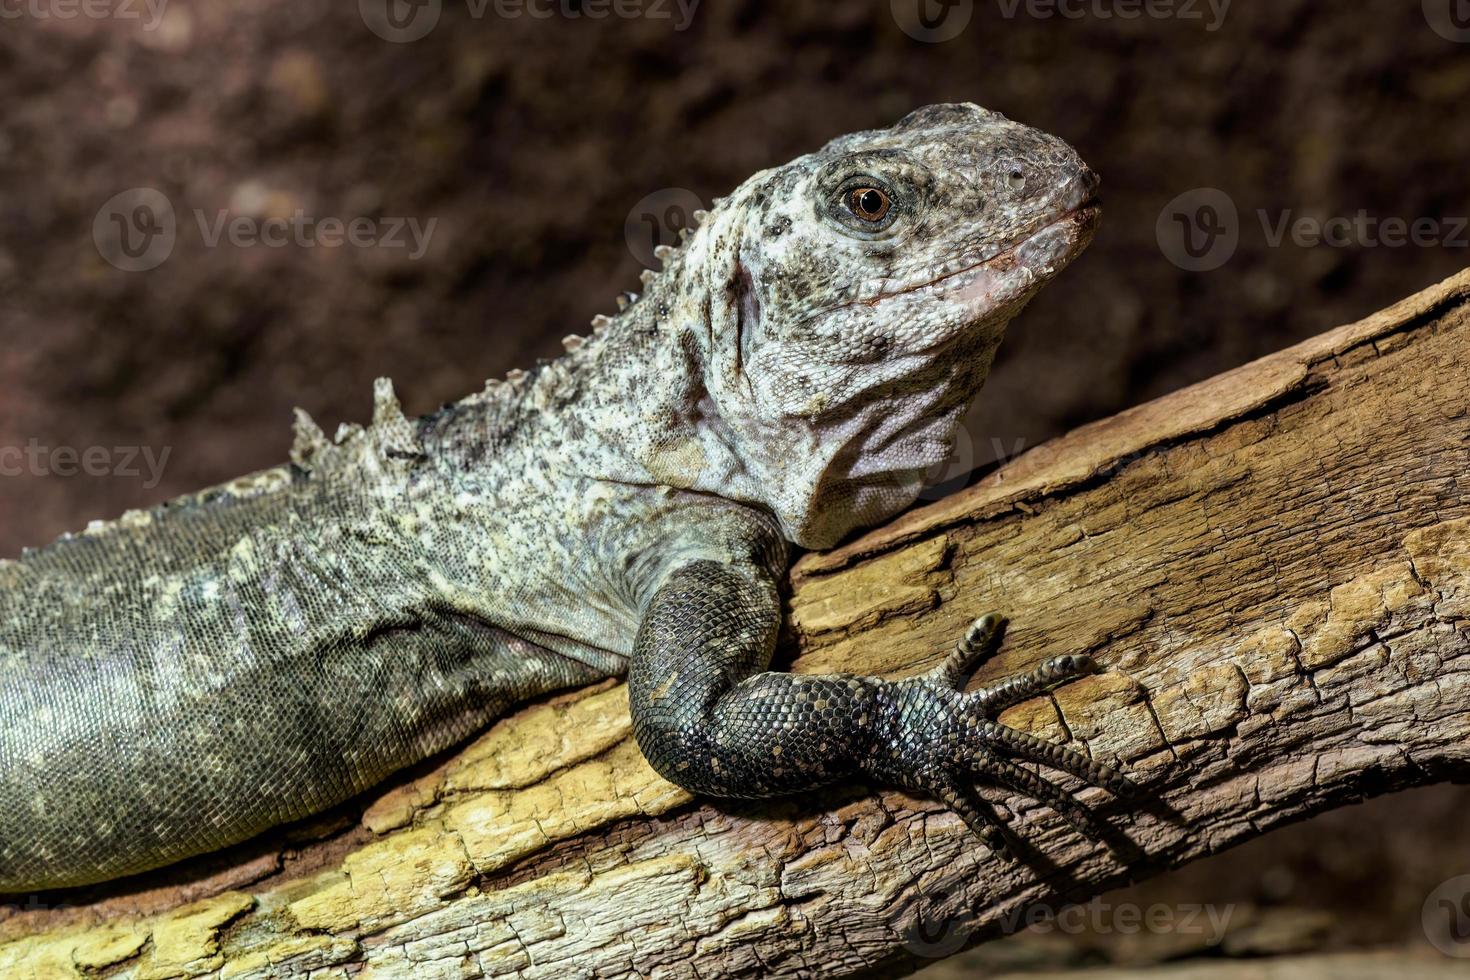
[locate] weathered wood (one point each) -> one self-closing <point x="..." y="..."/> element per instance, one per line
<point x="1274" y="566"/>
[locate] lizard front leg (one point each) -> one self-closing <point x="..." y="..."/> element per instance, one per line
<point x="711" y="718"/>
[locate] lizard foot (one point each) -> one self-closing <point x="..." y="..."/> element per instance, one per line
<point x="937" y="740"/>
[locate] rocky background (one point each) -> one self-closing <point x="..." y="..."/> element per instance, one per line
<point x="508" y="173"/>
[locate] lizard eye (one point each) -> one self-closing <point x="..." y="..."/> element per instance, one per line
<point x="863" y="205"/>
<point x="868" y="203"/>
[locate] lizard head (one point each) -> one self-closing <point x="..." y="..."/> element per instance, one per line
<point x="855" y="298"/>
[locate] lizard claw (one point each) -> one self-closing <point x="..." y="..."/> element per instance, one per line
<point x="980" y="641"/>
<point x="939" y="738"/>
<point x="977" y="814"/>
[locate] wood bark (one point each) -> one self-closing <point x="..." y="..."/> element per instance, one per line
<point x="1273" y="567"/>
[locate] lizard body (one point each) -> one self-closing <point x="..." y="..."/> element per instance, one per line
<point x="182" y="679"/>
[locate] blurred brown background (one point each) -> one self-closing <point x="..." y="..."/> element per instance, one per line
<point x="531" y="152"/>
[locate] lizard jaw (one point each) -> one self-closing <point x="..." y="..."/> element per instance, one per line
<point x="1045" y="251"/>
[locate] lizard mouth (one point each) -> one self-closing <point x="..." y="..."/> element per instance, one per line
<point x="1065" y="235"/>
<point x="1073" y="229"/>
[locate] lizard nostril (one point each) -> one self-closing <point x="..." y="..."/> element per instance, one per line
<point x="1091" y="181"/>
<point x="1016" y="181"/>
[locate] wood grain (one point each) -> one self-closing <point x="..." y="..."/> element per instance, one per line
<point x="1273" y="566"/>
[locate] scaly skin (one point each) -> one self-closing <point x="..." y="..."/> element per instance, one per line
<point x="179" y="680"/>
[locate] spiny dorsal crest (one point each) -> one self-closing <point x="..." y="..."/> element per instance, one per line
<point x="310" y="439"/>
<point x="664" y="253"/>
<point x="390" y="444"/>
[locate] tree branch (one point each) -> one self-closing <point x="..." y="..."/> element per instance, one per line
<point x="1273" y="566"/>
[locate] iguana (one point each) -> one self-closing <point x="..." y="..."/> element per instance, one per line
<point x="184" y="678"/>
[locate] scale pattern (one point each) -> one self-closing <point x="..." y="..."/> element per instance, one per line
<point x="179" y="680"/>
